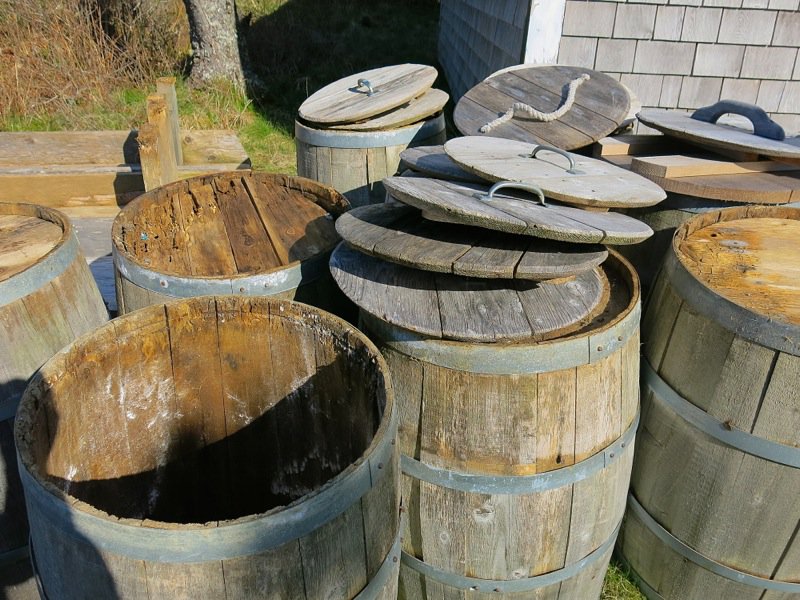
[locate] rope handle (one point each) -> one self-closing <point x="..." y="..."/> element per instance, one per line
<point x="528" y="187"/>
<point x="537" y="114"/>
<point x="572" y="170"/>
<point x="365" y="83"/>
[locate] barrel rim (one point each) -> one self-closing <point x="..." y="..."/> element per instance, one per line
<point x="27" y="411"/>
<point x="746" y="322"/>
<point x="336" y="138"/>
<point x="590" y="345"/>
<point x="174" y="186"/>
<point x="57" y="255"/>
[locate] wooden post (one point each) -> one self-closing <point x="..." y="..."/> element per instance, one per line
<point x="148" y="156"/>
<point x="166" y="87"/>
<point x="157" y="116"/>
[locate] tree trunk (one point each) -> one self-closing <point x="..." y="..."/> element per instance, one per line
<point x="215" y="48"/>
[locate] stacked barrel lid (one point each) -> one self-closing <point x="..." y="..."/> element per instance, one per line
<point x="378" y="99"/>
<point x="452" y="256"/>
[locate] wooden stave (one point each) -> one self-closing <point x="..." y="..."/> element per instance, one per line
<point x="381" y="149"/>
<point x="373" y="475"/>
<point x="395" y="342"/>
<point x="309" y="281"/>
<point x="50" y="285"/>
<point x="724" y="442"/>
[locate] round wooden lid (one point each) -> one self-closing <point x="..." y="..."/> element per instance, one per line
<point x="416" y="109"/>
<point x="468" y="204"/>
<point x="600" y="106"/>
<point x="564" y="176"/>
<point x="759" y="182"/>
<point x="367" y="94"/>
<point x="448" y="306"/>
<point x="433" y="161"/>
<point x="748" y="255"/>
<point x="229" y="224"/>
<point x="28" y="233"/>
<point x="399" y="234"/>
<point x="683" y="126"/>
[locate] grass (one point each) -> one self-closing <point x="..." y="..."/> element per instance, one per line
<point x="294" y="48"/>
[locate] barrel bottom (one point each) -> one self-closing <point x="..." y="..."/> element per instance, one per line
<point x="663" y="574"/>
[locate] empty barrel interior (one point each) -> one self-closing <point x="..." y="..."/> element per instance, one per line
<point x="203" y="410"/>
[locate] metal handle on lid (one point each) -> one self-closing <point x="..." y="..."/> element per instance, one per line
<point x="763" y="126"/>
<point x="566" y="155"/>
<point x="365" y="83"/>
<point x="528" y="187"/>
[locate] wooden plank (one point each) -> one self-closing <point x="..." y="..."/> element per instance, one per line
<point x="165" y="86"/>
<point x="210" y="251"/>
<point x="24" y="241"/>
<point x="678" y="165"/>
<point x="433" y="161"/>
<point x="209" y="146"/>
<point x="247" y="236"/>
<point x="273" y="575"/>
<point x="29" y="148"/>
<point x="631" y="145"/>
<point x="344" y="101"/>
<point x="149" y="156"/>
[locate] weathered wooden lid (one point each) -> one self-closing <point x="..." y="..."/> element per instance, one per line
<point x="468" y="204"/>
<point x="570" y="178"/>
<point x="399" y="234"/>
<point x="750" y="256"/>
<point x="416" y="109"/>
<point x="757" y="182"/>
<point x="28" y="233"/>
<point x="433" y="161"/>
<point x="448" y="306"/>
<point x="600" y="106"/>
<point x="682" y="125"/>
<point x="228" y="225"/>
<point x="367" y="94"/>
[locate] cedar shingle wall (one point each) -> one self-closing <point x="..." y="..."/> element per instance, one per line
<point x="690" y="53"/>
<point x="478" y="37"/>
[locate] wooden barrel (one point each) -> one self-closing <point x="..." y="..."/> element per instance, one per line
<point x="713" y="512"/>
<point x="355" y="162"/>
<point x="47" y="298"/>
<point x="215" y="447"/>
<point x="253" y="234"/>
<point x="516" y="457"/>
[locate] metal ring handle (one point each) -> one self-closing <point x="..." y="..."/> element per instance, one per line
<point x="563" y="153"/>
<point x="365" y="83"/>
<point x="529" y="187"/>
<point x="763" y="126"/>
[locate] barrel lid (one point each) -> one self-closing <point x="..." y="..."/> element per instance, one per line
<point x="399" y="234"/>
<point x="468" y="204"/>
<point x="367" y="94"/>
<point x="600" y="106"/>
<point x="715" y="178"/>
<point x="416" y="109"/>
<point x="227" y="225"/>
<point x="28" y="233"/>
<point x="433" y="161"/>
<point x="564" y="176"/>
<point x="682" y="125"/>
<point x="446" y="306"/>
<point x="749" y="256"/>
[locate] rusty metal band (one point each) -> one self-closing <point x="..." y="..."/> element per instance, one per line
<point x="377" y="584"/>
<point x="39" y="274"/>
<point x="268" y="284"/>
<point x="335" y="138"/>
<point x="195" y="544"/>
<point x="522" y="484"/>
<point x="506" y="359"/>
<point x="702" y="561"/>
<point x="509" y="586"/>
<point x="758" y="328"/>
<point x="701" y="420"/>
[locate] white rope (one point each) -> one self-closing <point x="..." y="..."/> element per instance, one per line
<point x="536" y="114"/>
